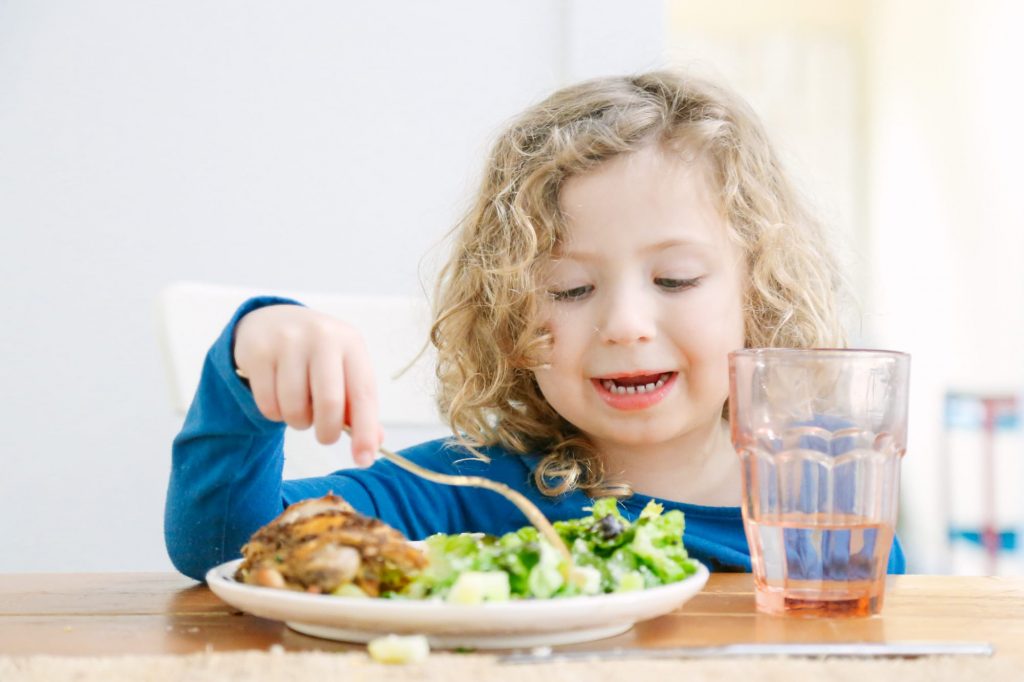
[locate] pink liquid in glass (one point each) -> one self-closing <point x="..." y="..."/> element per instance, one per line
<point x="819" y="564"/>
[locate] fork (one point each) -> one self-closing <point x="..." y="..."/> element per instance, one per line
<point x="529" y="509"/>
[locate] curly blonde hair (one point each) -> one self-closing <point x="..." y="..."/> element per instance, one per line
<point x="486" y="322"/>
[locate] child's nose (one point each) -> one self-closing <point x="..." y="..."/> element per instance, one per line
<point x="627" y="319"/>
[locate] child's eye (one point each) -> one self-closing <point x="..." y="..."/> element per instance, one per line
<point x="676" y="284"/>
<point x="571" y="294"/>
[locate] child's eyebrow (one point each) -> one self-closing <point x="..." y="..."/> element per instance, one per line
<point x="650" y="248"/>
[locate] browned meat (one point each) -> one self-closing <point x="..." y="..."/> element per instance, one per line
<point x="320" y="545"/>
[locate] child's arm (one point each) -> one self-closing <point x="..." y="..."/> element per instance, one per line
<point x="228" y="458"/>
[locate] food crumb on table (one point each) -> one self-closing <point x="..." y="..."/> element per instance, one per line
<point x="399" y="649"/>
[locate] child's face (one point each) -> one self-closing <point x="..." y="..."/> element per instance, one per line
<point x="646" y="289"/>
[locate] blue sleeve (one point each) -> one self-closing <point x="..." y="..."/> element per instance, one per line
<point x="226" y="464"/>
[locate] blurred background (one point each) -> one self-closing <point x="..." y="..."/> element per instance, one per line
<point x="328" y="147"/>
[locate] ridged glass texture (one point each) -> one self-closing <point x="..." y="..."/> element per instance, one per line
<point x="820" y="435"/>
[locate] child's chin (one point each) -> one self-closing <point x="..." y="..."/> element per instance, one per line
<point x="641" y="438"/>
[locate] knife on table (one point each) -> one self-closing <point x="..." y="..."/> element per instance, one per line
<point x="823" y="650"/>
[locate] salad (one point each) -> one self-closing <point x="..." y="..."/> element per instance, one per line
<point x="323" y="546"/>
<point x="610" y="554"/>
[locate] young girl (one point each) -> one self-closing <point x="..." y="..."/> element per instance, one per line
<point x="629" y="232"/>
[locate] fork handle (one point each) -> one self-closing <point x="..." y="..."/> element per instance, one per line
<point x="530" y="510"/>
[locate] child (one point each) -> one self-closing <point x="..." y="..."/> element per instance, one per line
<point x="629" y="232"/>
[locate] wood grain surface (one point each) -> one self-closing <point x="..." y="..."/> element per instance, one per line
<point x="147" y="613"/>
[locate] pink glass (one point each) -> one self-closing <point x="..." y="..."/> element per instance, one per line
<point x="820" y="435"/>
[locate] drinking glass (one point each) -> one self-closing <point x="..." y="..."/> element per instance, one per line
<point x="820" y="435"/>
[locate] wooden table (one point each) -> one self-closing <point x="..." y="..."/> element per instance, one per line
<point x="156" y="613"/>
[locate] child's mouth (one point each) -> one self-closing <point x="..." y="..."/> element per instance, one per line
<point x="636" y="391"/>
<point x="637" y="384"/>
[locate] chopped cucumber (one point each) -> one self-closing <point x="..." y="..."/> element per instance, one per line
<point x="476" y="587"/>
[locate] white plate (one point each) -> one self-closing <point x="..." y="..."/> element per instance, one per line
<point x="504" y="625"/>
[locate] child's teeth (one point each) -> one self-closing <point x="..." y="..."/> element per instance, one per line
<point x="613" y="387"/>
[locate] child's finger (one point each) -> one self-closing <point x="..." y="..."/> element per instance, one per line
<point x="264" y="391"/>
<point x="361" y="396"/>
<point x="293" y="390"/>
<point x="326" y="383"/>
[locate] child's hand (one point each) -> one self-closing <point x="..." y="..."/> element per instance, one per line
<point x="306" y="368"/>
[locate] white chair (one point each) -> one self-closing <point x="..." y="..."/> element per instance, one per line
<point x="192" y="315"/>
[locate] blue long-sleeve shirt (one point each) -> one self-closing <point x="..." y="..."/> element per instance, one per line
<point x="226" y="482"/>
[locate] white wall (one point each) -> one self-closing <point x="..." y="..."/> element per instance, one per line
<point x="946" y="225"/>
<point x="303" y="146"/>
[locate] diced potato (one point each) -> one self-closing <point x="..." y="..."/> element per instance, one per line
<point x="399" y="649"/>
<point x="476" y="587"/>
<point x="585" y="578"/>
<point x="631" y="581"/>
